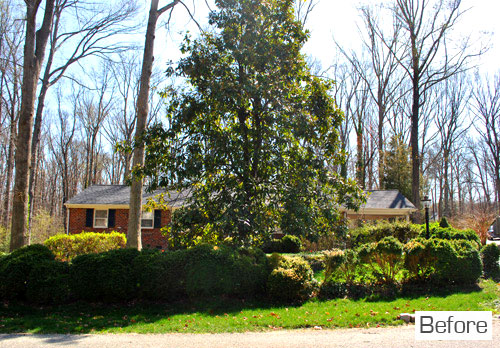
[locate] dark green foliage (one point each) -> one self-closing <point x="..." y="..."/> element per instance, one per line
<point x="332" y="289"/>
<point x="490" y="254"/>
<point x="254" y="135"/>
<point x="16" y="267"/>
<point x="160" y="276"/>
<point x="401" y="230"/>
<point x="106" y="277"/>
<point x="291" y="244"/>
<point x="216" y="271"/>
<point x="287" y="244"/>
<point x="291" y="279"/>
<point x="397" y="166"/>
<point x="383" y="257"/>
<point x="443" y="223"/>
<point x="48" y="283"/>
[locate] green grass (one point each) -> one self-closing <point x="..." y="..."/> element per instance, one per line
<point x="234" y="316"/>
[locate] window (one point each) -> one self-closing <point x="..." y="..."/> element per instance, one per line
<point x="147" y="218"/>
<point x="101" y="218"/>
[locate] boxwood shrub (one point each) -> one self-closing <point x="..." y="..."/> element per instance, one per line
<point x="106" y="277"/>
<point x="16" y="267"/>
<point x="401" y="230"/>
<point x="490" y="254"/>
<point x="291" y="279"/>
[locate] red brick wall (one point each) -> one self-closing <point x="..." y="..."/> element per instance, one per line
<point x="151" y="237"/>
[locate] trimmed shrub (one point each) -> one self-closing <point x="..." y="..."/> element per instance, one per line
<point x="401" y="230"/>
<point x="287" y="244"/>
<point x="48" y="283"/>
<point x="331" y="289"/>
<point x="160" y="276"/>
<point x="490" y="254"/>
<point x="106" y="277"/>
<point x="290" y="244"/>
<point x="443" y="261"/>
<point x="383" y="257"/>
<point x="418" y="260"/>
<point x="16" y="267"/>
<point x="450" y="233"/>
<point x="66" y="247"/>
<point x="291" y="280"/>
<point x="215" y="271"/>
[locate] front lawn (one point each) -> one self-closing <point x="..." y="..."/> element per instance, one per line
<point x="235" y="316"/>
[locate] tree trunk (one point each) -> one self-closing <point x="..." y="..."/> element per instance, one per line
<point x="415" y="154"/>
<point x="34" y="51"/>
<point x="134" y="218"/>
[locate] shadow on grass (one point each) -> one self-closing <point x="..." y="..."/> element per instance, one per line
<point x="83" y="318"/>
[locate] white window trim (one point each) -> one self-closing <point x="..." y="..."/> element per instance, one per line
<point x="107" y="218"/>
<point x="152" y="220"/>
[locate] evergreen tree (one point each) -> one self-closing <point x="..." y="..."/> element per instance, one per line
<point x="254" y="135"/>
<point x="397" y="170"/>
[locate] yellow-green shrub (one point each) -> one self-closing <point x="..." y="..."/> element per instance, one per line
<point x="66" y="247"/>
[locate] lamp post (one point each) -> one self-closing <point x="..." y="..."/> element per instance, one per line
<point x="427" y="203"/>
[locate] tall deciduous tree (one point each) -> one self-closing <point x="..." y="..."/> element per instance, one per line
<point x="254" y="133"/>
<point x="134" y="220"/>
<point x="34" y="53"/>
<point x="429" y="61"/>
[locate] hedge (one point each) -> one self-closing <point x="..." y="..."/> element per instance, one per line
<point x="66" y="247"/>
<point x="401" y="230"/>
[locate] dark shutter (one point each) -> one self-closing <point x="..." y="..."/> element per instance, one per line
<point x="157" y="222"/>
<point x="89" y="220"/>
<point x="111" y="217"/>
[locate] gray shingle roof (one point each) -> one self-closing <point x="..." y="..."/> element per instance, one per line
<point x="387" y="199"/>
<point x="120" y="195"/>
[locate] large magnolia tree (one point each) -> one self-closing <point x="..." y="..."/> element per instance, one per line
<point x="254" y="134"/>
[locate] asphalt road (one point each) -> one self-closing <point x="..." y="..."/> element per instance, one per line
<point x="396" y="337"/>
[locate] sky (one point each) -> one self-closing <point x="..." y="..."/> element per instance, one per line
<point x="339" y="20"/>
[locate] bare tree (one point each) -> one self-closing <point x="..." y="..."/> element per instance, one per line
<point x="450" y="122"/>
<point x="93" y="27"/>
<point x="34" y="54"/>
<point x="429" y="61"/>
<point x="487" y="109"/>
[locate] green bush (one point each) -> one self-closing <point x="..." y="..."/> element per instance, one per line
<point x="290" y="280"/>
<point x="290" y="244"/>
<point x="287" y="244"/>
<point x="16" y="267"/>
<point x="401" y="230"/>
<point x="160" y="276"/>
<point x="384" y="258"/>
<point x="443" y="261"/>
<point x="490" y="254"/>
<point x="333" y="260"/>
<point x="48" y="283"/>
<point x="106" y="277"/>
<point x="66" y="247"/>
<point x="215" y="271"/>
<point x="450" y="233"/>
<point x="418" y="260"/>
<point x="332" y="289"/>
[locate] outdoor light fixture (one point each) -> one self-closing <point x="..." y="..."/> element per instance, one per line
<point x="426" y="202"/>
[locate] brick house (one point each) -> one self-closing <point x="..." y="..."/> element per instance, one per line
<point x="104" y="208"/>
